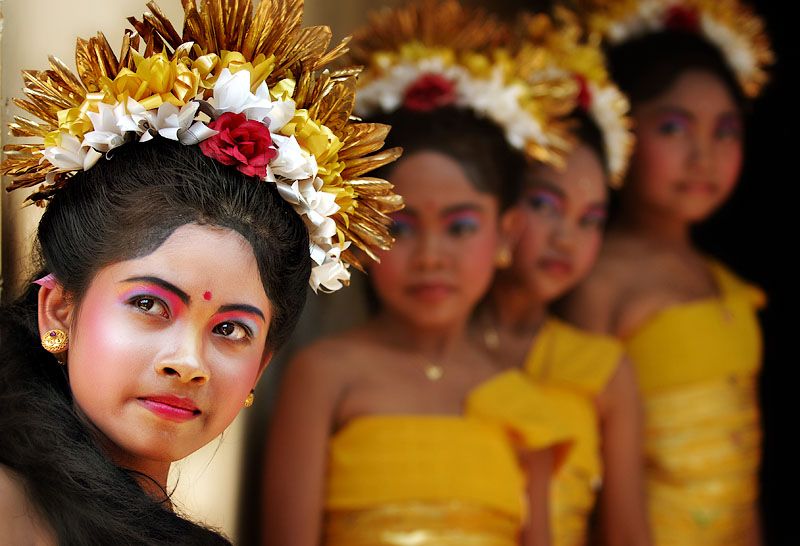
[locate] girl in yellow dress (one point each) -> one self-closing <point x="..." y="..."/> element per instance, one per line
<point x="558" y="225"/>
<point x="688" y="323"/>
<point x="402" y="431"/>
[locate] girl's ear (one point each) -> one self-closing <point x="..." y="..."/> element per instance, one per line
<point x="55" y="308"/>
<point x="511" y="227"/>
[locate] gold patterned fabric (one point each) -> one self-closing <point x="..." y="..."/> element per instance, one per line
<point x="697" y="365"/>
<point x="422" y="524"/>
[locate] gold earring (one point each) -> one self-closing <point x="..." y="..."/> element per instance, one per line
<point x="250" y="399"/>
<point x="55" y="341"/>
<point x="503" y="258"/>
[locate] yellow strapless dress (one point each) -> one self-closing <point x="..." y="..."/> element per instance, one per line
<point x="697" y="365"/>
<point x="580" y="364"/>
<point x="427" y="480"/>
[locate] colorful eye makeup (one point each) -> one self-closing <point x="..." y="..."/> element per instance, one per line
<point x="153" y="300"/>
<point x="402" y="225"/>
<point x="543" y="200"/>
<point x="462" y="223"/>
<point x="729" y="126"/>
<point x="595" y="217"/>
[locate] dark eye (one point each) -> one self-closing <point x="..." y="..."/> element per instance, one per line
<point x="543" y="202"/>
<point x="400" y="229"/>
<point x="593" y="221"/>
<point x="463" y="226"/>
<point x="231" y="330"/>
<point x="729" y="130"/>
<point x="672" y="126"/>
<point x="150" y="306"/>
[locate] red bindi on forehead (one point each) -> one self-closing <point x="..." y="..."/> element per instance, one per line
<point x="207" y="295"/>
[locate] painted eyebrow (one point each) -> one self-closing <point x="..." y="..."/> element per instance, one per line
<point x="462" y="207"/>
<point x="183" y="296"/>
<point x="242" y="307"/>
<point x="538" y="183"/>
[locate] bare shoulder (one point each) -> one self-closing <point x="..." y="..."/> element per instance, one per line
<point x="19" y="523"/>
<point x="335" y="355"/>
<point x="594" y="303"/>
<point x="330" y="364"/>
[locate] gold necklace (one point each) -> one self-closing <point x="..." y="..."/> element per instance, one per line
<point x="434" y="372"/>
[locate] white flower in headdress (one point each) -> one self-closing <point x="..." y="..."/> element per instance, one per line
<point x="314" y="205"/>
<point x="71" y="154"/>
<point x="176" y="124"/>
<point x="329" y="273"/>
<point x="232" y="94"/>
<point x="292" y="162"/>
<point x="109" y="126"/>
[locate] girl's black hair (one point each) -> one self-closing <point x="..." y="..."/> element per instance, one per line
<point x="477" y="144"/>
<point x="648" y="66"/>
<point x="122" y="208"/>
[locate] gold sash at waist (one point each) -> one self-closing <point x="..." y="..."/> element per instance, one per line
<point x="703" y="446"/>
<point x="421" y="524"/>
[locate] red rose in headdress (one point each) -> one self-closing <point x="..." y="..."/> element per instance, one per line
<point x="584" y="95"/>
<point x="429" y="92"/>
<point x="682" y="18"/>
<point x="244" y="143"/>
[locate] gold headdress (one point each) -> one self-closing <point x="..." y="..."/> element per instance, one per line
<point x="235" y="73"/>
<point x="435" y="53"/>
<point x="730" y="25"/>
<point x="571" y="51"/>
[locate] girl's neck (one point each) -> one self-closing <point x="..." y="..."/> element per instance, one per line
<point x="434" y="343"/>
<point x="655" y="226"/>
<point x="514" y="307"/>
<point x="151" y="475"/>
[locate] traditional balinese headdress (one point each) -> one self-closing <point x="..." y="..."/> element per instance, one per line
<point x="730" y="25"/>
<point x="435" y="53"/>
<point x="243" y="83"/>
<point x="571" y="51"/>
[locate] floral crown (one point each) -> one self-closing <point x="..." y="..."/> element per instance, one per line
<point x="731" y="26"/>
<point x="243" y="83"/>
<point x="436" y="53"/>
<point x="571" y="51"/>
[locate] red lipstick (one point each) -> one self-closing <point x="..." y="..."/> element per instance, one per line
<point x="555" y="266"/>
<point x="171" y="407"/>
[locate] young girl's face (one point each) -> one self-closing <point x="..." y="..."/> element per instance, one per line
<point x="165" y="348"/>
<point x="689" y="149"/>
<point x="446" y="240"/>
<point x="561" y="217"/>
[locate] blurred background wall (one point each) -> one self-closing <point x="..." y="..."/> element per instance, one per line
<point x="219" y="485"/>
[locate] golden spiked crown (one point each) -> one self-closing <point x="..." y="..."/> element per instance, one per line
<point x="249" y="86"/>
<point x="570" y="50"/>
<point x="434" y="53"/>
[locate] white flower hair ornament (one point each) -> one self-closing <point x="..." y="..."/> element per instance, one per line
<point x="730" y="25"/>
<point x="252" y="97"/>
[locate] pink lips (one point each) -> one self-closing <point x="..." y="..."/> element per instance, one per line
<point x="170" y="407"/>
<point x="431" y="292"/>
<point x="555" y="266"/>
<point x="698" y="188"/>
